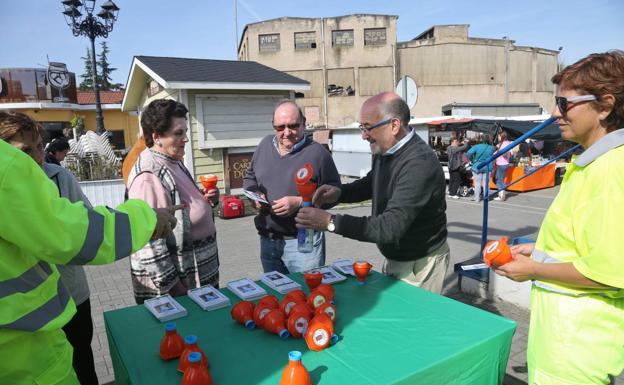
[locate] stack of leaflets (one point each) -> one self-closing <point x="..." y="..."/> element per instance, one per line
<point x="330" y="275"/>
<point x="209" y="298"/>
<point x="165" y="308"/>
<point x="246" y="289"/>
<point x="345" y="266"/>
<point x="279" y="282"/>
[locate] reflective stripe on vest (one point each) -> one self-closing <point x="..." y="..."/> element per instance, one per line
<point x="540" y="256"/>
<point x="45" y="313"/>
<point x="29" y="280"/>
<point x="123" y="235"/>
<point x="93" y="240"/>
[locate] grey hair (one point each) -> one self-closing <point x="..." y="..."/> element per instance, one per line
<point x="302" y="117"/>
<point x="396" y="108"/>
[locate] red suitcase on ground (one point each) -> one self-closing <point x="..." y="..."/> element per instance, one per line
<point x="230" y="206"/>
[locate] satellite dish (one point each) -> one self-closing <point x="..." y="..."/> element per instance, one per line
<point x="407" y="90"/>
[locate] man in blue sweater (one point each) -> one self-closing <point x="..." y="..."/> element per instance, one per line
<point x="407" y="188"/>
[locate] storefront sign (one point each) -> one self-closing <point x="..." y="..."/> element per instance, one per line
<point x="238" y="165"/>
<point x="58" y="75"/>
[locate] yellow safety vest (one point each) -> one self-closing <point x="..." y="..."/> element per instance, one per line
<point x="38" y="230"/>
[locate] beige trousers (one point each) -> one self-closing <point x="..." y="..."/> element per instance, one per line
<point x="427" y="272"/>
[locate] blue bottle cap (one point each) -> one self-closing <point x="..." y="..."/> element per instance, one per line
<point x="190" y="339"/>
<point x="295" y="355"/>
<point x="283" y="334"/>
<point x="334" y="339"/>
<point x="250" y="324"/>
<point x="170" y="326"/>
<point x="194" y="357"/>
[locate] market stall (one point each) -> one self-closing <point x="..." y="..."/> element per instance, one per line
<point x="391" y="333"/>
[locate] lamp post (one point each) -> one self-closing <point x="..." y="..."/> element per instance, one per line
<point x="85" y="24"/>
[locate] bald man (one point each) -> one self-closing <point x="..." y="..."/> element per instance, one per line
<point x="271" y="174"/>
<point x="407" y="188"/>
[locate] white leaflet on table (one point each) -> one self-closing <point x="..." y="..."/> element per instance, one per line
<point x="279" y="282"/>
<point x="255" y="196"/>
<point x="330" y="275"/>
<point x="165" y="308"/>
<point x="246" y="289"/>
<point x="344" y="266"/>
<point x="209" y="298"/>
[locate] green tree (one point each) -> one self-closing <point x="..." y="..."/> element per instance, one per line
<point x="87" y="76"/>
<point x="104" y="77"/>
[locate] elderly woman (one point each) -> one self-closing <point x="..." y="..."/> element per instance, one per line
<point x="188" y="258"/>
<point x="576" y="335"/>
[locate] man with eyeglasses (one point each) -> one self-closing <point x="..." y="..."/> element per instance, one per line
<point x="271" y="174"/>
<point x="407" y="188"/>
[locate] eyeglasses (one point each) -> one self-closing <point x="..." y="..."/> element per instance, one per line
<point x="291" y="126"/>
<point x="565" y="104"/>
<point x="364" y="128"/>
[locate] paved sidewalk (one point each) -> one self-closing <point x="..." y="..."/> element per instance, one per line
<point x="238" y="249"/>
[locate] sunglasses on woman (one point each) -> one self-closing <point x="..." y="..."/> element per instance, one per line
<point x="564" y="104"/>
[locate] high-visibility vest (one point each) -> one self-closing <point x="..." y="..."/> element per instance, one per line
<point x="585" y="223"/>
<point x="38" y="229"/>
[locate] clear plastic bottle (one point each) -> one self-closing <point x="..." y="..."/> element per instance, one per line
<point x="305" y="237"/>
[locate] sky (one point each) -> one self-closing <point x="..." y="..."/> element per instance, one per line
<point x="32" y="29"/>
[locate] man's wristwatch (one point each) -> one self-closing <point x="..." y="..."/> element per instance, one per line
<point x="331" y="227"/>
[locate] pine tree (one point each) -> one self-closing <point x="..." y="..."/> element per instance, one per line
<point x="104" y="77"/>
<point x="87" y="76"/>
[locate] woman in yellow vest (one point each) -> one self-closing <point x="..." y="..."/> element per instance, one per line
<point x="38" y="230"/>
<point x="576" y="334"/>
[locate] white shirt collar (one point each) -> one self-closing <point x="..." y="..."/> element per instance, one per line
<point x="400" y="143"/>
<point x="608" y="142"/>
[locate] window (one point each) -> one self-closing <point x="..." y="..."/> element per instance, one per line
<point x="305" y="40"/>
<point x="153" y="88"/>
<point x="269" y="43"/>
<point x="374" y="36"/>
<point x="342" y="38"/>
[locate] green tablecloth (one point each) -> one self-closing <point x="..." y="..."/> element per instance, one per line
<point x="392" y="333"/>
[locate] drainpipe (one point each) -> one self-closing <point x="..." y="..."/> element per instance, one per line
<point x="324" y="73"/>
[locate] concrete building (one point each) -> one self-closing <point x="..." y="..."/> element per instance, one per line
<point x="361" y="52"/>
<point x="448" y="67"/>
<point x="345" y="59"/>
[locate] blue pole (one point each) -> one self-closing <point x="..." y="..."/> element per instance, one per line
<point x="486" y="201"/>
<point x="513" y="144"/>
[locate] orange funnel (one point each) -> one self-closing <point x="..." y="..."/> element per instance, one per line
<point x="295" y="373"/>
<point x="196" y="373"/>
<point x="319" y="333"/>
<point x="274" y="322"/>
<point x="259" y="313"/>
<point x="209" y="181"/>
<point x="242" y="312"/>
<point x="497" y="253"/>
<point x="361" y="270"/>
<point x="190" y="346"/>
<point x="297" y="323"/>
<point x="269" y="301"/>
<point x="327" y="290"/>
<point x="313" y="279"/>
<point x="327" y="308"/>
<point x="303" y="178"/>
<point x="316" y="299"/>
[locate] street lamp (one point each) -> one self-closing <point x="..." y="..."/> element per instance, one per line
<point x="85" y="24"/>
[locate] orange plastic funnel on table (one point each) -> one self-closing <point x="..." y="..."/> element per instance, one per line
<point x="270" y="301"/>
<point x="313" y="279"/>
<point x="361" y="270"/>
<point x="274" y="322"/>
<point x="297" y="294"/>
<point x="320" y="332"/>
<point x="243" y="313"/>
<point x="172" y="344"/>
<point x="302" y="307"/>
<point x="497" y="253"/>
<point x="295" y="373"/>
<point x="259" y="313"/>
<point x="287" y="304"/>
<point x="327" y="290"/>
<point x="209" y="181"/>
<point x="297" y="323"/>
<point x="196" y="373"/>
<point x="316" y="299"/>
<point x="327" y="308"/>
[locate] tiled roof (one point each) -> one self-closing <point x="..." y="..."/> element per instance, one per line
<point x="172" y="69"/>
<point x="106" y="97"/>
